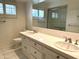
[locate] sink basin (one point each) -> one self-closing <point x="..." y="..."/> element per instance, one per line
<point x="67" y="46"/>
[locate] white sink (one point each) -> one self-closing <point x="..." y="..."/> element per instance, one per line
<point x="67" y="46"/>
<point x="29" y="32"/>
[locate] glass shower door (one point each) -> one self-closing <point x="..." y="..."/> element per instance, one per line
<point x="57" y="18"/>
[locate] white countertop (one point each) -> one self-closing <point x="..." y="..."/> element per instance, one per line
<point x="50" y="41"/>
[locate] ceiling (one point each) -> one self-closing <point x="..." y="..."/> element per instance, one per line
<point x="35" y="1"/>
<point x="49" y="1"/>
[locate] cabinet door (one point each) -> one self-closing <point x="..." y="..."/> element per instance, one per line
<point x="26" y="41"/>
<point x="36" y="53"/>
<point x="26" y="51"/>
<point x="32" y="57"/>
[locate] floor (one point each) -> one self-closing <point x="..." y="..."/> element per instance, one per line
<point x="11" y="54"/>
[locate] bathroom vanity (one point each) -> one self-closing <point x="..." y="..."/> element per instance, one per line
<point x="42" y="46"/>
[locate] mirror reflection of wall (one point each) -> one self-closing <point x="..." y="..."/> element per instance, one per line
<point x="57" y="14"/>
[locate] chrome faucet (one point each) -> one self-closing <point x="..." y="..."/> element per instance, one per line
<point x="76" y="43"/>
<point x="68" y="39"/>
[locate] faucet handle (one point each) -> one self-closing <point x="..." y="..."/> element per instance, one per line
<point x="76" y="43"/>
<point x="70" y="40"/>
<point x="66" y="39"/>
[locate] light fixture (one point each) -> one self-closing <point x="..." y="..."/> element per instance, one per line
<point x="37" y="1"/>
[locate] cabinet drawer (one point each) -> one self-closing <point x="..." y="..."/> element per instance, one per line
<point x="36" y="53"/>
<point x="36" y="45"/>
<point x="26" y="49"/>
<point x="26" y="41"/>
<point x="52" y="54"/>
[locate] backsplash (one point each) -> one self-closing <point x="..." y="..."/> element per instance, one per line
<point x="62" y="34"/>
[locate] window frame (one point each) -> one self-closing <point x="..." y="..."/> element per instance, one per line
<point x="10" y="14"/>
<point x="43" y="13"/>
<point x="4" y="9"/>
<point x="14" y="2"/>
<point x="38" y="12"/>
<point x="54" y="15"/>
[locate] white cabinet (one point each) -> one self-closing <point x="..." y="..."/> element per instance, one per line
<point x="26" y="50"/>
<point x="37" y="54"/>
<point x="33" y="50"/>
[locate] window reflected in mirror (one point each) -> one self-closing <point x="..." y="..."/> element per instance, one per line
<point x="57" y="18"/>
<point x="38" y="13"/>
<point x="1" y="9"/>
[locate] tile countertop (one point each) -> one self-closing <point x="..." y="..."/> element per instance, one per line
<point x="50" y="41"/>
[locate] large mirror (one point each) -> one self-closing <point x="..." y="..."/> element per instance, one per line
<point x="56" y="14"/>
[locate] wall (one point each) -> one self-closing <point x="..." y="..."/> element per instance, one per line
<point x="12" y="27"/>
<point x="72" y="23"/>
<point x="28" y="13"/>
<point x="57" y="3"/>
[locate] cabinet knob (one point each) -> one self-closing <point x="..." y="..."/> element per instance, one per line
<point x="24" y="38"/>
<point x="25" y="47"/>
<point x="35" y="44"/>
<point x="35" y="52"/>
<point x="76" y="42"/>
<point x="58" y="57"/>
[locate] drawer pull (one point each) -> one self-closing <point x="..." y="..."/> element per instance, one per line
<point x="35" y="52"/>
<point x="25" y="47"/>
<point x="58" y="57"/>
<point x="35" y="44"/>
<point x="24" y="38"/>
